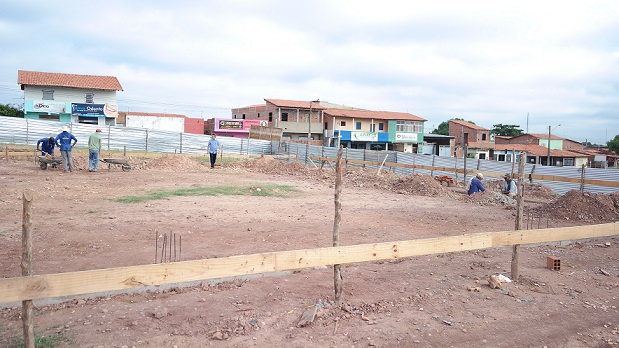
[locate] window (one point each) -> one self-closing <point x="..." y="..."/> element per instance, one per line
<point x="358" y="125"/>
<point x="409" y="126"/>
<point x="48" y="94"/>
<point x="270" y="117"/>
<point x="482" y="156"/>
<point x="90" y="98"/>
<point x="88" y="120"/>
<point x="49" y="117"/>
<point x="342" y="123"/>
<point x="568" y="162"/>
<point x="381" y="126"/>
<point x="243" y="116"/>
<point x="326" y="125"/>
<point x="372" y="127"/>
<point x="284" y="116"/>
<point x="258" y="115"/>
<point x="483" y="137"/>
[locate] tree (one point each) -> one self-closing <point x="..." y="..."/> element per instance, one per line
<point x="443" y="127"/>
<point x="510" y="130"/>
<point x="613" y="145"/>
<point x="11" y="110"/>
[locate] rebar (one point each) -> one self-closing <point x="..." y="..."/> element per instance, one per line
<point x="170" y="257"/>
<point x="156" y="245"/>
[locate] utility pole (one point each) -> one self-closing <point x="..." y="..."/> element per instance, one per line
<point x="309" y="131"/>
<point x="548" y="159"/>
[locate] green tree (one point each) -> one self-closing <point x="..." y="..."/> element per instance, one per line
<point x="443" y="127"/>
<point x="509" y="130"/>
<point x="613" y="145"/>
<point x="11" y="110"/>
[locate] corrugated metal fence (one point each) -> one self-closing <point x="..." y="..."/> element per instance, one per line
<point x="27" y="132"/>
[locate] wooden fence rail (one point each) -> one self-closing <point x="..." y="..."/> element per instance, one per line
<point x="101" y="280"/>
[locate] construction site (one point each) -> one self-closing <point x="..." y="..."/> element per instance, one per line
<point x="240" y="256"/>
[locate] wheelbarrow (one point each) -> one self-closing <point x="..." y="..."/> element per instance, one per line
<point x="122" y="162"/>
<point x="44" y="161"/>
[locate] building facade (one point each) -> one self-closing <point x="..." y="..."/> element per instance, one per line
<point x="70" y="98"/>
<point x="478" y="141"/>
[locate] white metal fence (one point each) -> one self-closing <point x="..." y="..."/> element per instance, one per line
<point x="27" y="132"/>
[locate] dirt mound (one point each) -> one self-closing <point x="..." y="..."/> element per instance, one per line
<point x="361" y="177"/>
<point x="173" y="162"/>
<point x="588" y="207"/>
<point x="420" y="185"/>
<point x="539" y="191"/>
<point x="492" y="198"/>
<point x="270" y="165"/>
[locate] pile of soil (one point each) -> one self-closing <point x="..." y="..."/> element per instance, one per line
<point x="420" y="185"/>
<point x="493" y="198"/>
<point x="587" y="207"/>
<point x="269" y="165"/>
<point x="177" y="163"/>
<point x="361" y="177"/>
<point x="539" y="191"/>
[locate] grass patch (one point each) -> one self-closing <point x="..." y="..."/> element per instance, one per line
<point x="41" y="341"/>
<point x="91" y="211"/>
<point x="256" y="190"/>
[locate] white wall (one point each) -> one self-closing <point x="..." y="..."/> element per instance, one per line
<point x="70" y="95"/>
<point x="172" y="124"/>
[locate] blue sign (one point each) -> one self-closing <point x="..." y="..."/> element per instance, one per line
<point x="88" y="110"/>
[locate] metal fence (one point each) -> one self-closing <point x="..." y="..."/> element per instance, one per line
<point x="27" y="132"/>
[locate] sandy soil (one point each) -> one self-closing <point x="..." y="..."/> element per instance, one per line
<point x="434" y="301"/>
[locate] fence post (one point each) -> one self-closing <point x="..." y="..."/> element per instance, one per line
<point x="582" y="179"/>
<point x="27" y="130"/>
<point x="26" y="268"/>
<point x="181" y="143"/>
<point x="515" y="269"/>
<point x="432" y="171"/>
<point x="109" y="130"/>
<point x="337" y="273"/>
<point x="146" y="140"/>
<point x="241" y="151"/>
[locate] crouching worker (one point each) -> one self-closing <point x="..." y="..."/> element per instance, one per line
<point x="509" y="186"/>
<point x="475" y="185"/>
<point x="46" y="146"/>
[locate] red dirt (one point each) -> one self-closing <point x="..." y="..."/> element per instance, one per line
<point x="432" y="301"/>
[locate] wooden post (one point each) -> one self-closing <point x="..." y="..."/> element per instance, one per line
<point x="582" y="179"/>
<point x="432" y="171"/>
<point x="514" y="163"/>
<point x="26" y="268"/>
<point x="519" y="212"/>
<point x="465" y="150"/>
<point x="6" y="152"/>
<point x="125" y="151"/>
<point x="337" y="273"/>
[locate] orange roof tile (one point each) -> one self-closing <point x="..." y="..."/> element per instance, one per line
<point x="379" y="115"/>
<point x="300" y="104"/>
<point x="545" y="136"/>
<point x="37" y="78"/>
<point x="469" y="124"/>
<point x="536" y="150"/>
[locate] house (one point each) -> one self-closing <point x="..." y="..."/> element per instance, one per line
<point x="537" y="154"/>
<point x="70" y="98"/>
<point x="232" y="127"/>
<point x="478" y="141"/>
<point x="331" y="124"/>
<point x="373" y="130"/>
<point x="161" y="121"/>
<point x="438" y="144"/>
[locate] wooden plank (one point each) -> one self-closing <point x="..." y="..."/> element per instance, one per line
<point x="100" y="280"/>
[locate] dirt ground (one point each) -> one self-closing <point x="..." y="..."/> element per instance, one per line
<point x="433" y="301"/>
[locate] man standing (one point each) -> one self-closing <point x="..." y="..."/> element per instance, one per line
<point x="509" y="186"/>
<point x="476" y="185"/>
<point x="94" y="147"/>
<point x="213" y="146"/>
<point x="63" y="141"/>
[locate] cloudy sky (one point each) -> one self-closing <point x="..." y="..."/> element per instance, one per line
<point x="485" y="61"/>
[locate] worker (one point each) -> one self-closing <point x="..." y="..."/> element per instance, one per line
<point x="94" y="147"/>
<point x="509" y="186"/>
<point x="63" y="141"/>
<point x="476" y="185"/>
<point x="46" y="146"/>
<point x="213" y="146"/>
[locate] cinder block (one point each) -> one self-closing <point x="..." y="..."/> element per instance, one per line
<point x="553" y="263"/>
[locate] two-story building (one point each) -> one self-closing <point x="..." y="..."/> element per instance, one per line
<point x="333" y="124"/>
<point x="70" y="98"/>
<point x="539" y="148"/>
<point x="478" y="141"/>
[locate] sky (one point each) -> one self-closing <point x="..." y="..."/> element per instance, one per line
<point x="536" y="64"/>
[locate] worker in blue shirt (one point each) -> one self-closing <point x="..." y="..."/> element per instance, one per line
<point x="213" y="146"/>
<point x="63" y="141"/>
<point x="46" y="146"/>
<point x="476" y="185"/>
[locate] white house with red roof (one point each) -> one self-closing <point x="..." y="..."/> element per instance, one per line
<point x="70" y="98"/>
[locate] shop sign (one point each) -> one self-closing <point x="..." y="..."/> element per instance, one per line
<point x="55" y="108"/>
<point x="364" y="136"/>
<point x="94" y="110"/>
<point x="406" y="137"/>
